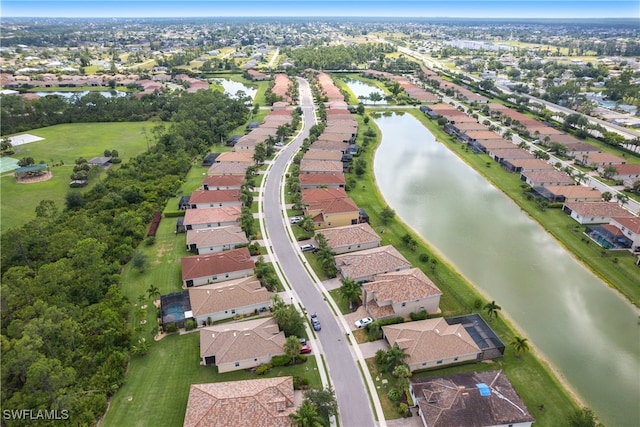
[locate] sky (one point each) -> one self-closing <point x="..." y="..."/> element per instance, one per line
<point x="309" y="8"/>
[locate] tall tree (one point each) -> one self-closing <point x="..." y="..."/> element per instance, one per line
<point x="350" y="291"/>
<point x="292" y="347"/>
<point x="520" y="345"/>
<point x="306" y="416"/>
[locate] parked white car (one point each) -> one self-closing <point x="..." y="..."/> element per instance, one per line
<point x="363" y="322"/>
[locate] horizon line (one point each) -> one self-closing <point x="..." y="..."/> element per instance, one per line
<point x="329" y="16"/>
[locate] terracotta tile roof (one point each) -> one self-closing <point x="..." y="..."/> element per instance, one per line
<point x="212" y="215"/>
<point x="350" y="235"/>
<point x="576" y="146"/>
<point x="223" y="181"/>
<point x="598" y="209"/>
<point x="430" y="339"/>
<point x="264" y="402"/>
<point x="402" y="286"/>
<point x="455" y="400"/>
<point x="543" y="130"/>
<point x="482" y="134"/>
<point x="228" y="168"/>
<point x="320" y="166"/>
<point x="214" y="196"/>
<point x="222" y="296"/>
<point x="197" y="266"/>
<point x="321" y="179"/>
<point x="318" y="194"/>
<point x="234" y="157"/>
<point x="574" y="191"/>
<point x="552" y="176"/>
<point x="331" y="206"/>
<point x="379" y="312"/>
<point x="328" y="136"/>
<point x="236" y="341"/>
<point x="218" y="236"/>
<point x="493" y="144"/>
<point x="467" y="126"/>
<point x="368" y="263"/>
<point x="329" y="145"/>
<point x="602" y="158"/>
<point x="323" y="155"/>
<point x="512" y="153"/>
<point x="531" y="164"/>
<point x="631" y="223"/>
<point x="627" y="169"/>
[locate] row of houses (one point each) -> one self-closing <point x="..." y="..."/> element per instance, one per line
<point x="609" y="225"/>
<point x="412" y="90"/>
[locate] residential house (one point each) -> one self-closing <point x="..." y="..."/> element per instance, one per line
<point x="630" y="227"/>
<point x="545" y="178"/>
<point x="351" y="238"/>
<point x="237" y="297"/>
<point x="331" y="155"/>
<point x="478" y="399"/>
<point x="210" y="159"/>
<point x="600" y="160"/>
<point x="322" y="180"/>
<point x="235" y="157"/>
<point x="400" y="293"/>
<point x="486" y="145"/>
<point x="432" y="343"/>
<point x="208" y="240"/>
<point x="195" y="219"/>
<point x="363" y="266"/>
<point x="223" y="182"/>
<point x="241" y="345"/>
<point x="500" y="155"/>
<point x="329" y="145"/>
<point x="529" y="165"/>
<point x="311" y="195"/>
<point x="579" y="149"/>
<point x="228" y="168"/>
<point x="595" y="212"/>
<point x="567" y="193"/>
<point x="265" y="402"/>
<point x="627" y="173"/>
<point x="202" y="199"/>
<point x="320" y="166"/>
<point x="216" y="267"/>
<point x="335" y="212"/>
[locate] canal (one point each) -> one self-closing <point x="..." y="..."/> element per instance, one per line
<point x="581" y="326"/>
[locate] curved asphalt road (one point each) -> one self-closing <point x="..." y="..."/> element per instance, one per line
<point x="353" y="400"/>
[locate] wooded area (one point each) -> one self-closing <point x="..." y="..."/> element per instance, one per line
<point x="65" y="334"/>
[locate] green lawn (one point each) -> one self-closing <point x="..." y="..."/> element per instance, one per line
<point x="157" y="387"/>
<point x="65" y="143"/>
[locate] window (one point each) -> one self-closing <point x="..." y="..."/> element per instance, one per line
<point x="226" y="276"/>
<point x="233" y="311"/>
<point x="439" y="362"/>
<point x="404" y="304"/>
<point x="214" y="277"/>
<point x="237" y="363"/>
<point x="455" y="359"/>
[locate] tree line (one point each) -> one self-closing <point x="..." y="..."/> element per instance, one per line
<point x="65" y="335"/>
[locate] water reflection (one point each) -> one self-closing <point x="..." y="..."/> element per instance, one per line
<point x="363" y="92"/>
<point x="587" y="331"/>
<point x="232" y="88"/>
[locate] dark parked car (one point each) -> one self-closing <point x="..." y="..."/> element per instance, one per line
<point x="315" y="322"/>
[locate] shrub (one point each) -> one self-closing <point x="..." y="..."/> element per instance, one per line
<point x="424" y="258"/>
<point x="173" y="214"/>
<point x="391" y="321"/>
<point x="403" y="409"/>
<point x="419" y="316"/>
<point x="263" y="369"/>
<point x="190" y="325"/>
<point x="149" y="241"/>
<point x="171" y="328"/>
<point x="393" y="395"/>
<point x="300" y="383"/>
<point x="209" y="322"/>
<point x="282" y="360"/>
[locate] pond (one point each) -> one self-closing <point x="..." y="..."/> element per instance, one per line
<point x="69" y="95"/>
<point x="363" y="91"/>
<point x="231" y="88"/>
<point x="582" y="327"/>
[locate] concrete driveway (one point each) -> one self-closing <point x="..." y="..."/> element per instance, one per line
<point x="369" y="349"/>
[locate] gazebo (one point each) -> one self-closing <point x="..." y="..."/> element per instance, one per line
<point x="32" y="171"/>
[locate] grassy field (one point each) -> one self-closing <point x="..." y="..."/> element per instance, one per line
<point x="65" y="143"/>
<point x="157" y="387"/>
<point x="532" y="379"/>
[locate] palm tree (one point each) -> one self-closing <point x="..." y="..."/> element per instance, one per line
<point x="394" y="357"/>
<point x="492" y="310"/>
<point x="292" y="347"/>
<point x="306" y="416"/>
<point x="350" y="291"/>
<point x="520" y="345"/>
<point x="153" y="292"/>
